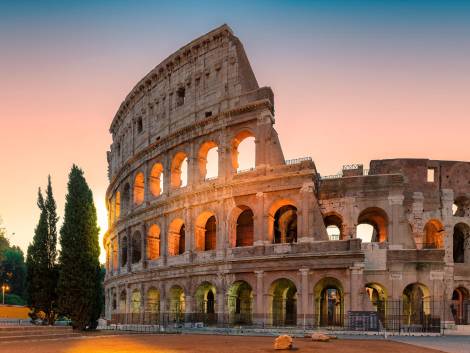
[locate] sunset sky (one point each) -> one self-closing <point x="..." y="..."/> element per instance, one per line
<point x="353" y="81"/>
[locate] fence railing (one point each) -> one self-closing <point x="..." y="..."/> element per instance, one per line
<point x="297" y="160"/>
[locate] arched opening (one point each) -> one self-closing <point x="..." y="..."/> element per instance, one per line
<point x="206" y="232"/>
<point x="156" y="179"/>
<point x="460" y="306"/>
<point x="285" y="225"/>
<point x="378" y="299"/>
<point x="416" y="304"/>
<point x="208" y="161"/>
<point x="152" y="309"/>
<point x="461" y="239"/>
<point x="136" y="247"/>
<point x="243" y="151"/>
<point x="153" y="242"/>
<point x="433" y="235"/>
<point x="135" y="306"/>
<point x="139" y="188"/>
<point x="334" y="225"/>
<point x="176" y="304"/>
<point x="461" y="206"/>
<point x="114" y="301"/>
<point x="205" y="303"/>
<point x="329" y="302"/>
<point x="240" y="302"/>
<point x="179" y="170"/>
<point x="126" y="197"/>
<point x="117" y="205"/>
<point x="245" y="228"/>
<point x="176" y="237"/>
<point x="283" y="298"/>
<point x="372" y="225"/>
<point x="122" y="302"/>
<point x="124" y="245"/>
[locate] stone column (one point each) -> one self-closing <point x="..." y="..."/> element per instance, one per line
<point x="164" y="239"/>
<point x="305" y="231"/>
<point x="146" y="172"/>
<point x="128" y="304"/>
<point x="302" y="319"/>
<point x="396" y="202"/>
<point x="258" y="314"/>
<point x="222" y="234"/>
<point x="166" y="176"/>
<point x="264" y="126"/>
<point x="260" y="221"/>
<point x="357" y="286"/>
<point x="143" y="300"/>
<point x="129" y="249"/>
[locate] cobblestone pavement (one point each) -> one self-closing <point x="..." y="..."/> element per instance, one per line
<point x="450" y="344"/>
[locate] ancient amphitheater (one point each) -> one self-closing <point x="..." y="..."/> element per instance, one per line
<point x="277" y="244"/>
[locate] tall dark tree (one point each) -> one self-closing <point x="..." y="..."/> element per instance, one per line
<point x="42" y="271"/>
<point x="79" y="287"/>
<point x="14" y="270"/>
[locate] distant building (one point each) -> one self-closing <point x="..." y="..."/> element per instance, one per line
<point x="276" y="244"/>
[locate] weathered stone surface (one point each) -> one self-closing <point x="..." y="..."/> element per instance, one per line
<point x="320" y="337"/>
<point x="283" y="342"/>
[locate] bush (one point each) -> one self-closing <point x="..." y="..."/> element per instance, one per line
<point x="14" y="299"/>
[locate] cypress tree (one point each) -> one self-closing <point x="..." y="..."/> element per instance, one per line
<point x="79" y="287"/>
<point x="41" y="273"/>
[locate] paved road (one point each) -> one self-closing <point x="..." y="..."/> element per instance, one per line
<point x="450" y="344"/>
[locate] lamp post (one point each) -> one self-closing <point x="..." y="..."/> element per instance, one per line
<point x="5" y="288"/>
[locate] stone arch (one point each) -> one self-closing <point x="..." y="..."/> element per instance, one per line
<point x="136" y="247"/>
<point x="329" y="302"/>
<point x="461" y="207"/>
<point x="117" y="205"/>
<point x="245" y="228"/>
<point x="124" y="250"/>
<point x="334" y="225"/>
<point x="122" y="302"/>
<point x="240" y="303"/>
<point x="126" y="196"/>
<point x="156" y="179"/>
<point x="416" y="304"/>
<point x="136" y="300"/>
<point x="139" y="189"/>
<point x="376" y="218"/>
<point x="206" y="231"/>
<point x="176" y="237"/>
<point x="153" y="242"/>
<point x="377" y="296"/>
<point x="152" y="307"/>
<point x="235" y="143"/>
<point x="204" y="151"/>
<point x="282" y="222"/>
<point x="433" y="235"/>
<point x="460" y="306"/>
<point x="205" y="302"/>
<point x="283" y="302"/>
<point x="176" y="304"/>
<point x="177" y="166"/>
<point x="461" y="243"/>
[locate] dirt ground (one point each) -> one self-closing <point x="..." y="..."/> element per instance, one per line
<point x="202" y="344"/>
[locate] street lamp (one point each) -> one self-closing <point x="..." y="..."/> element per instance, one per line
<point x="5" y="288"/>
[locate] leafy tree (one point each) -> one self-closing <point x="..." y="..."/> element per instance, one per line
<point x="4" y="242"/>
<point x="42" y="271"/>
<point x="79" y="287"/>
<point x="14" y="270"/>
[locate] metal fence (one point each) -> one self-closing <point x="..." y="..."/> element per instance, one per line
<point x="424" y="316"/>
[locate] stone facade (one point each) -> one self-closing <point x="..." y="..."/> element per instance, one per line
<point x="276" y="244"/>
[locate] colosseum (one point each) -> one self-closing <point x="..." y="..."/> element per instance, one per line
<point x="278" y="244"/>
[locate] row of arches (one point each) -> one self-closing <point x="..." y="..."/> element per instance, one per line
<point x="207" y="162"/>
<point x="282" y="222"/>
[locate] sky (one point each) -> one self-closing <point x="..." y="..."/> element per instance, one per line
<point x="353" y="81"/>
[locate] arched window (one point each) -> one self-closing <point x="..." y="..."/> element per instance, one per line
<point x="206" y="232"/>
<point x="139" y="188"/>
<point x="208" y="161"/>
<point x="176" y="237"/>
<point x="126" y="197"/>
<point x="372" y="225"/>
<point x="461" y="240"/>
<point x="461" y="207"/>
<point x="243" y="151"/>
<point x="244" y="232"/>
<point x="285" y="224"/>
<point x="434" y="235"/>
<point x="329" y="302"/>
<point x="179" y="170"/>
<point x="240" y="303"/>
<point x="136" y="247"/>
<point x="124" y="251"/>
<point x="283" y="297"/>
<point x="153" y="242"/>
<point x="334" y="226"/>
<point x="156" y="179"/>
